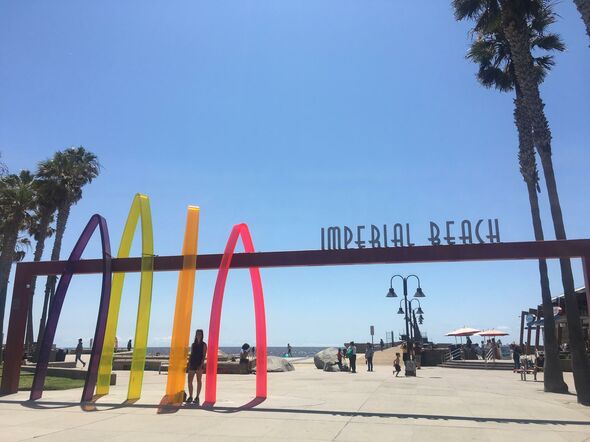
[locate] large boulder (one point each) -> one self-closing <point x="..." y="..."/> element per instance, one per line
<point x="329" y="366"/>
<point x="277" y="364"/>
<point x="326" y="355"/>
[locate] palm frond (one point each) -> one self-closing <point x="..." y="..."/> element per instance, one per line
<point x="467" y="9"/>
<point x="548" y="42"/>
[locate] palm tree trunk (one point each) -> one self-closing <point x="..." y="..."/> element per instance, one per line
<point x="584" y="9"/>
<point x="9" y="240"/>
<point x="63" y="212"/>
<point x="517" y="37"/>
<point x="580" y="363"/>
<point x="553" y="375"/>
<point x="39" y="248"/>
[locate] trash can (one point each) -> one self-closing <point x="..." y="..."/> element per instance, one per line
<point x="60" y="355"/>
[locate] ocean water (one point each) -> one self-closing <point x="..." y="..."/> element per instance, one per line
<point x="297" y="352"/>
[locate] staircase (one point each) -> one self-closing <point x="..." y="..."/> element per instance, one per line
<point x="479" y="364"/>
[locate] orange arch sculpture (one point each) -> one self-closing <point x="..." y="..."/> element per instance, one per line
<point x="215" y="319"/>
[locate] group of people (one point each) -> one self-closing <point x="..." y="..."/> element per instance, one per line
<point x="350" y="351"/>
<point x="537" y="364"/>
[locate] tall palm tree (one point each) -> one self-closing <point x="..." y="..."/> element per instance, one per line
<point x="491" y="52"/>
<point x="40" y="230"/>
<point x="17" y="201"/>
<point x="584" y="10"/>
<point x="518" y="19"/>
<point x="68" y="172"/>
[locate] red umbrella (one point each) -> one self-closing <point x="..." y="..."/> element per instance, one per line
<point x="493" y="332"/>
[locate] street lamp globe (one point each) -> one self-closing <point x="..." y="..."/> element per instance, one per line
<point x="419" y="293"/>
<point x="420" y="311"/>
<point x="400" y="311"/>
<point x="391" y="293"/>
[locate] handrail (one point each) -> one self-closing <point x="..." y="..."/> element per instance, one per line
<point x="452" y="354"/>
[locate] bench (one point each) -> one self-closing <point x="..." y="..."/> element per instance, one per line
<point x="524" y="371"/>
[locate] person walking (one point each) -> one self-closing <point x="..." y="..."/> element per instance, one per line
<point x="369" y="356"/>
<point x="351" y="353"/>
<point x="79" y="350"/>
<point x="516" y="356"/>
<point x="381" y="344"/>
<point x="289" y="351"/>
<point x="396" y="365"/>
<point x="195" y="366"/>
<point x="339" y="358"/>
<point x="129" y="345"/>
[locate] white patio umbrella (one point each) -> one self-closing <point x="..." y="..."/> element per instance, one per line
<point x="492" y="332"/>
<point x="465" y="331"/>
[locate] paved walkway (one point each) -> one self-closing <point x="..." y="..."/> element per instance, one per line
<point x="309" y="404"/>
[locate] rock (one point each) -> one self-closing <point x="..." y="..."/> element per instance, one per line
<point x="326" y="355"/>
<point x="278" y="364"/>
<point x="222" y="356"/>
<point x="329" y="366"/>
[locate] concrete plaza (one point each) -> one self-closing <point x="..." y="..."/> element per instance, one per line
<point x="309" y="404"/>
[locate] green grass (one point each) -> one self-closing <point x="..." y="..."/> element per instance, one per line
<point x="51" y="382"/>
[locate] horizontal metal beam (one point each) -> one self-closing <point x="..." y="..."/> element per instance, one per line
<point x="470" y="252"/>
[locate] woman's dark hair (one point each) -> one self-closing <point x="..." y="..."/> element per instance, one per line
<point x="199" y="330"/>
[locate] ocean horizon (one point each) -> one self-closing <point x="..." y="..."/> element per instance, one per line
<point x="299" y="352"/>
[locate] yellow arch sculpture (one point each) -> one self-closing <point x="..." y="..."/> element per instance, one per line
<point x="139" y="208"/>
<point x="183" y="310"/>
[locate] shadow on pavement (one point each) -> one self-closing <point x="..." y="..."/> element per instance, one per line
<point x="252" y="408"/>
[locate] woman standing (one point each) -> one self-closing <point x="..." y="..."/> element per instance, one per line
<point x="195" y="365"/>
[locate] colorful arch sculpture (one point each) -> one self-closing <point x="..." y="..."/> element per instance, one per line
<point x="139" y="208"/>
<point x="215" y="320"/>
<point x="57" y="303"/>
<point x="183" y="310"/>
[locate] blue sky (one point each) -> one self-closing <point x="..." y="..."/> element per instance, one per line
<point x="289" y="116"/>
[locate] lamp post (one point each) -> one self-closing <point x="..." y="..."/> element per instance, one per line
<point x="413" y="312"/>
<point x="407" y="305"/>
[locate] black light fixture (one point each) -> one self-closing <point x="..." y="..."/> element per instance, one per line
<point x="419" y="293"/>
<point x="400" y="311"/>
<point x="391" y="293"/>
<point x="419" y="311"/>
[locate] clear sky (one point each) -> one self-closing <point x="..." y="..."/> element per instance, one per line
<point x="290" y="116"/>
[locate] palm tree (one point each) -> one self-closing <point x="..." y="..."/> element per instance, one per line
<point x="584" y="10"/>
<point x="491" y="52"/>
<point x="40" y="230"/>
<point x="68" y="171"/>
<point x="515" y="22"/>
<point x="17" y="201"/>
<point x="518" y="20"/>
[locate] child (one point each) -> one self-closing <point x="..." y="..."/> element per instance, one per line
<point x="396" y="365"/>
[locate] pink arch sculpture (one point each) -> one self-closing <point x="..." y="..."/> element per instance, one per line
<point x="215" y="320"/>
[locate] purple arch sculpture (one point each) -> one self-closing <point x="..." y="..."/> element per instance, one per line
<point x="57" y="303"/>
